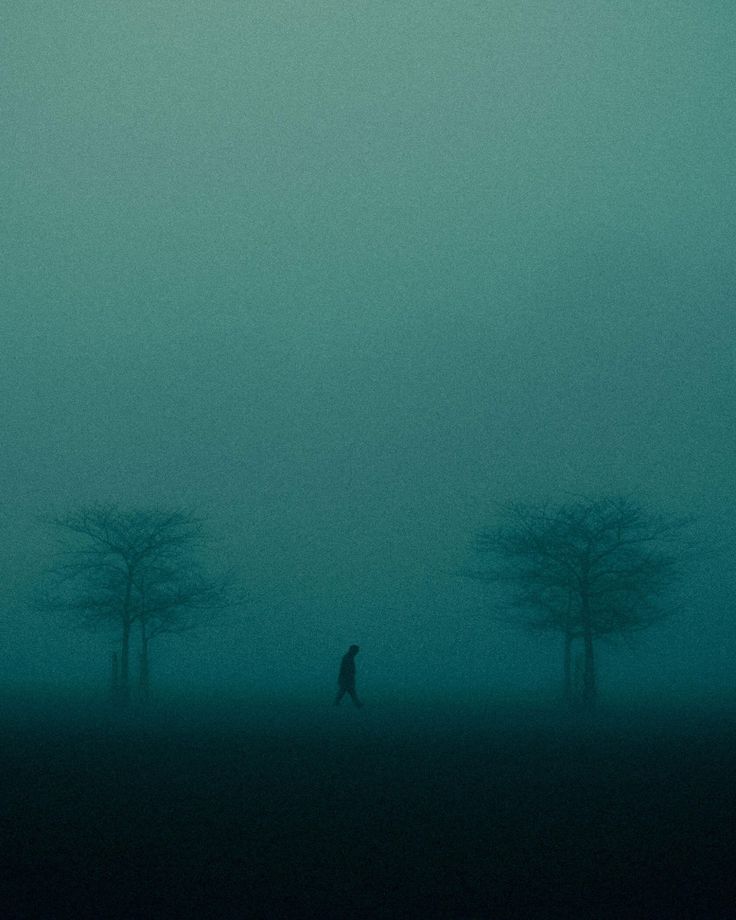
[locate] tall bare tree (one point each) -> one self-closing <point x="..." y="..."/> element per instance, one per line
<point x="132" y="566"/>
<point x="172" y="599"/>
<point x="585" y="569"/>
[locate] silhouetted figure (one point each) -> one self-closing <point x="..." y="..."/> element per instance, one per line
<point x="346" y="679"/>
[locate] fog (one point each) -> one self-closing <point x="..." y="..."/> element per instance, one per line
<point x="344" y="277"/>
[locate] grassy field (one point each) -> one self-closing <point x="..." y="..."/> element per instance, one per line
<point x="271" y="810"/>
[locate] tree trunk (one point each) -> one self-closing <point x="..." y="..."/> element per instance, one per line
<point x="124" y="663"/>
<point x="125" y="644"/>
<point x="144" y="675"/>
<point x="114" y="679"/>
<point x="589" y="681"/>
<point x="567" y="669"/>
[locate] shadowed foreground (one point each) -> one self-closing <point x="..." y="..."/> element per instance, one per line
<point x="339" y="813"/>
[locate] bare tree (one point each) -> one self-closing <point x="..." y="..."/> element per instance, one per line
<point x="172" y="599"/>
<point x="587" y="569"/>
<point x="128" y="567"/>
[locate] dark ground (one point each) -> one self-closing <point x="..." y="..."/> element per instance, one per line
<point x="463" y="813"/>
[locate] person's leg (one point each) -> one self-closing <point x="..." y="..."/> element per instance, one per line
<point x="354" y="698"/>
<point x="340" y="695"/>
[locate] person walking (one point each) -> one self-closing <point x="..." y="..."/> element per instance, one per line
<point x="346" y="678"/>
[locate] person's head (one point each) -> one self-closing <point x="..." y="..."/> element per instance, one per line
<point x="353" y="650"/>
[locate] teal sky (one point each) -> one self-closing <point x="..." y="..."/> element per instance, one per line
<point x="344" y="275"/>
